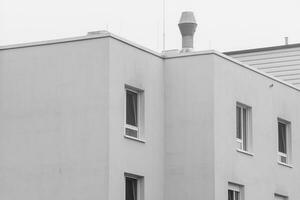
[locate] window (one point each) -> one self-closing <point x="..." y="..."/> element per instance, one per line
<point x="280" y="197"/>
<point x="133" y="187"/>
<point x="133" y="112"/>
<point x="243" y="127"/>
<point x="233" y="195"/>
<point x="235" y="191"/>
<point x="284" y="146"/>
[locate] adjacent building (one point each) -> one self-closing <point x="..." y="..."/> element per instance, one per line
<point x="98" y="117"/>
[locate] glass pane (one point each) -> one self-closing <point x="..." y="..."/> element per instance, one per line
<point x="237" y="195"/>
<point x="131" y="108"/>
<point x="283" y="159"/>
<point x="131" y="189"/>
<point x="238" y="123"/>
<point x="245" y="124"/>
<point x="230" y="195"/>
<point x="282" y="138"/>
<point x="132" y="133"/>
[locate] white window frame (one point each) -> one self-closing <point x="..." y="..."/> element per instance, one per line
<point x="286" y="155"/>
<point x="139" y="185"/>
<point x="140" y="130"/>
<point x="240" y="141"/>
<point x="236" y="188"/>
<point x="128" y="126"/>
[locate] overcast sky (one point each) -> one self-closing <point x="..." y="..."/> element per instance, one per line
<point x="222" y="24"/>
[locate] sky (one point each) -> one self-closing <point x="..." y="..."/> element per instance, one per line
<point x="223" y="25"/>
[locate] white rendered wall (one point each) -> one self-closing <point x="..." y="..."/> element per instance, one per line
<point x="261" y="175"/>
<point x="189" y="136"/>
<point x="134" y="67"/>
<point x="54" y="122"/>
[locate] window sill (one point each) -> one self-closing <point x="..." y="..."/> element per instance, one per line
<point x="135" y="139"/>
<point x="284" y="164"/>
<point x="245" y="152"/>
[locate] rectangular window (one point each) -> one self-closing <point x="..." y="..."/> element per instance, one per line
<point x="284" y="146"/>
<point x="132" y="113"/>
<point x="133" y="187"/>
<point x="233" y="195"/>
<point x="243" y="126"/>
<point x="235" y="191"/>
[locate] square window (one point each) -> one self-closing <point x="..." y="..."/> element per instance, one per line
<point x="284" y="141"/>
<point x="133" y="112"/>
<point x="133" y="187"/>
<point x="235" y="191"/>
<point x="243" y="127"/>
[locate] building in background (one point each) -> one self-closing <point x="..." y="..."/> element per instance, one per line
<point x="99" y="117"/>
<point x="282" y="62"/>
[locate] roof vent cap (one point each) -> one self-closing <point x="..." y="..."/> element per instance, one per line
<point x="187" y="26"/>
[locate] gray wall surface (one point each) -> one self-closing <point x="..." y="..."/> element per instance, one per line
<point x="54" y="121"/>
<point x="260" y="174"/>
<point x="139" y="69"/>
<point x="189" y="136"/>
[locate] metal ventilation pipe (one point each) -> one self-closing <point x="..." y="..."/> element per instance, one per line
<point x="187" y="25"/>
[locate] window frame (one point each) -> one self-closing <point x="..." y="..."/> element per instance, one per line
<point x="129" y="126"/>
<point x="139" y="185"/>
<point x="288" y="148"/>
<point x="245" y="142"/>
<point x="236" y="188"/>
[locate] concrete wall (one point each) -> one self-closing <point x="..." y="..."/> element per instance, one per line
<point x="134" y="67"/>
<point x="54" y="121"/>
<point x="189" y="137"/>
<point x="261" y="175"/>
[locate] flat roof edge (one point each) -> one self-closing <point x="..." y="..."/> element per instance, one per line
<point x="54" y="41"/>
<point x="255" y="50"/>
<point x="101" y="34"/>
<point x="105" y="34"/>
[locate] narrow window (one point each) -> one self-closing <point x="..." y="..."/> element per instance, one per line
<point x="235" y="191"/>
<point x="134" y="187"/>
<point x="131" y="188"/>
<point x="132" y="113"/>
<point x="233" y="195"/>
<point x="284" y="141"/>
<point x="243" y="126"/>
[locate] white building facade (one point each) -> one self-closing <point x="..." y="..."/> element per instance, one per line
<point x="98" y="117"/>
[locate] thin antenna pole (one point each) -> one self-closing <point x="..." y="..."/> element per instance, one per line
<point x="164" y="24"/>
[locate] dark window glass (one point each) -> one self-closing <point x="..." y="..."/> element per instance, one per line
<point x="131" y="189"/>
<point x="237" y="195"/>
<point x="131" y="108"/>
<point x="238" y="123"/>
<point x="282" y="138"/>
<point x="233" y="195"/>
<point x="244" y="129"/>
<point x="230" y="195"/>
